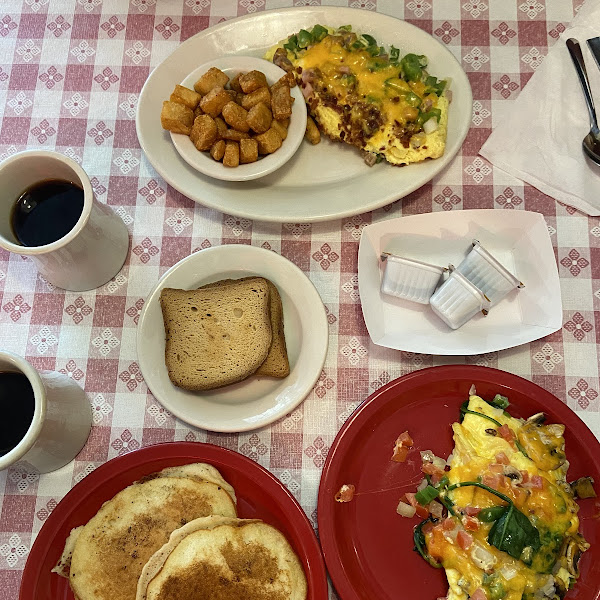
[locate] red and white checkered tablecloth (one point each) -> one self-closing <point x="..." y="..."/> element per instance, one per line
<point x="70" y="76"/>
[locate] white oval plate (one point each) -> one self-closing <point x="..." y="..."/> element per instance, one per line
<point x="256" y="401"/>
<point x="322" y="182"/>
<point x="202" y="161"/>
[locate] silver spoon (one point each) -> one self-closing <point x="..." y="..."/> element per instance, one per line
<point x="591" y="142"/>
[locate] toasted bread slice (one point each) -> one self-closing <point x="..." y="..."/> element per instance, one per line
<point x="216" y="336"/>
<point x="226" y="558"/>
<point x="276" y="364"/>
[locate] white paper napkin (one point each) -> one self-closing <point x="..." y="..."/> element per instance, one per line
<point x="540" y="139"/>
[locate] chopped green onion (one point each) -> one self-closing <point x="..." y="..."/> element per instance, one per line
<point x="426" y="495"/>
<point x="304" y="38"/>
<point x="500" y="401"/>
<point x="413" y="99"/>
<point x="319" y="32"/>
<point x="412" y="66"/>
<point x="394" y="53"/>
<point x="345" y="28"/>
<point x="371" y="41"/>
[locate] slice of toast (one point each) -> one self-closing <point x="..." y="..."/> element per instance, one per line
<point x="216" y="336"/>
<point x="276" y="364"/>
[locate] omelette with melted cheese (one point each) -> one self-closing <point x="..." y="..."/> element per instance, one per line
<point x="507" y="525"/>
<point x="358" y="93"/>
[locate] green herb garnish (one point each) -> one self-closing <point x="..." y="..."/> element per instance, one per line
<point x="412" y="66"/>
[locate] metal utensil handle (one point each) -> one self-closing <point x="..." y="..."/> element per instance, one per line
<point x="577" y="57"/>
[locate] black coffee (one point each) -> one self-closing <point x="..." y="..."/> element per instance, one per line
<point x="17" y="403"/>
<point x="46" y="212"/>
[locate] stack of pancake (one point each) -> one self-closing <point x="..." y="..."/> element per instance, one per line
<point x="175" y="535"/>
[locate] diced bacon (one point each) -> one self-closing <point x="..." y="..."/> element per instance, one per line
<point x="472" y="511"/>
<point x="471" y="524"/>
<point x="525" y="475"/>
<point x="345" y="493"/>
<point x="537" y="482"/>
<point x="464" y="539"/>
<point x="405" y="439"/>
<point x="400" y="453"/>
<point x="478" y="594"/>
<point x="502" y="458"/>
<point x="496" y="469"/>
<point x="422" y="511"/>
<point x="448" y="524"/>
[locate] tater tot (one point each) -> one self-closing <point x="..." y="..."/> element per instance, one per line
<point x="252" y="81"/>
<point x="234" y="135"/>
<point x="211" y="79"/>
<point x="281" y="102"/>
<point x="259" y="118"/>
<point x="248" y="151"/>
<point x="204" y="132"/>
<point x="279" y="128"/>
<point x="212" y="104"/>
<point x="236" y="116"/>
<point x="268" y="142"/>
<point x="260" y="95"/>
<point x="231" y="158"/>
<point x="217" y="150"/>
<point x="312" y="134"/>
<point x="176" y="117"/>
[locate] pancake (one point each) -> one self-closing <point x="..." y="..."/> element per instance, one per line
<point x="224" y="559"/>
<point x="109" y="552"/>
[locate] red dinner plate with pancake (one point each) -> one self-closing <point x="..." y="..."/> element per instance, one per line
<point x="368" y="548"/>
<point x="260" y="495"/>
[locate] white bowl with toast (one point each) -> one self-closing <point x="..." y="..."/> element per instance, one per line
<point x="197" y="93"/>
<point x="203" y="353"/>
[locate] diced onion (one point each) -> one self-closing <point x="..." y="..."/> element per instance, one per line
<point x="405" y="510"/>
<point x="482" y="558"/>
<point x="472" y="390"/>
<point x="436" y="509"/>
<point x="422" y="485"/>
<point x="427" y="456"/>
<point x="430" y="125"/>
<point x="438" y="462"/>
<point x="417" y="140"/>
<point x="508" y="572"/>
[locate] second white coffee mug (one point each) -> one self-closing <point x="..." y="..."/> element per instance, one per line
<point x="89" y="255"/>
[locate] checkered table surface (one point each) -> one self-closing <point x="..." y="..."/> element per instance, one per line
<point x="70" y="77"/>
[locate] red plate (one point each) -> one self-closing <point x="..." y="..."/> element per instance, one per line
<point x="368" y="548"/>
<point x="260" y="495"/>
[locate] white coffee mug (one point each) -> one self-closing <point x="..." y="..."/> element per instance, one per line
<point x="92" y="253"/>
<point x="62" y="418"/>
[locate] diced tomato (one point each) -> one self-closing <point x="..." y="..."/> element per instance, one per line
<point x="537" y="482"/>
<point x="472" y="510"/>
<point x="496" y="469"/>
<point x="448" y="524"/>
<point x="502" y="458"/>
<point x="525" y="475"/>
<point x="405" y="440"/>
<point x="345" y="493"/>
<point x="507" y="433"/>
<point x="464" y="539"/>
<point x="431" y="469"/>
<point x="471" y="524"/>
<point x="435" y="478"/>
<point x="400" y="453"/>
<point x="478" y="594"/>
<point x="421" y="510"/>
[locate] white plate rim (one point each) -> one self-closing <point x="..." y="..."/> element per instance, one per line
<point x="473" y="214"/>
<point x="312" y="307"/>
<point x="231" y="200"/>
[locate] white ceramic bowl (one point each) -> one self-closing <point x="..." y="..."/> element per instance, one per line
<point x="409" y="279"/>
<point x="202" y="161"/>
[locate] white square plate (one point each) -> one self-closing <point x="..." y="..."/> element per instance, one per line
<point x="518" y="239"/>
